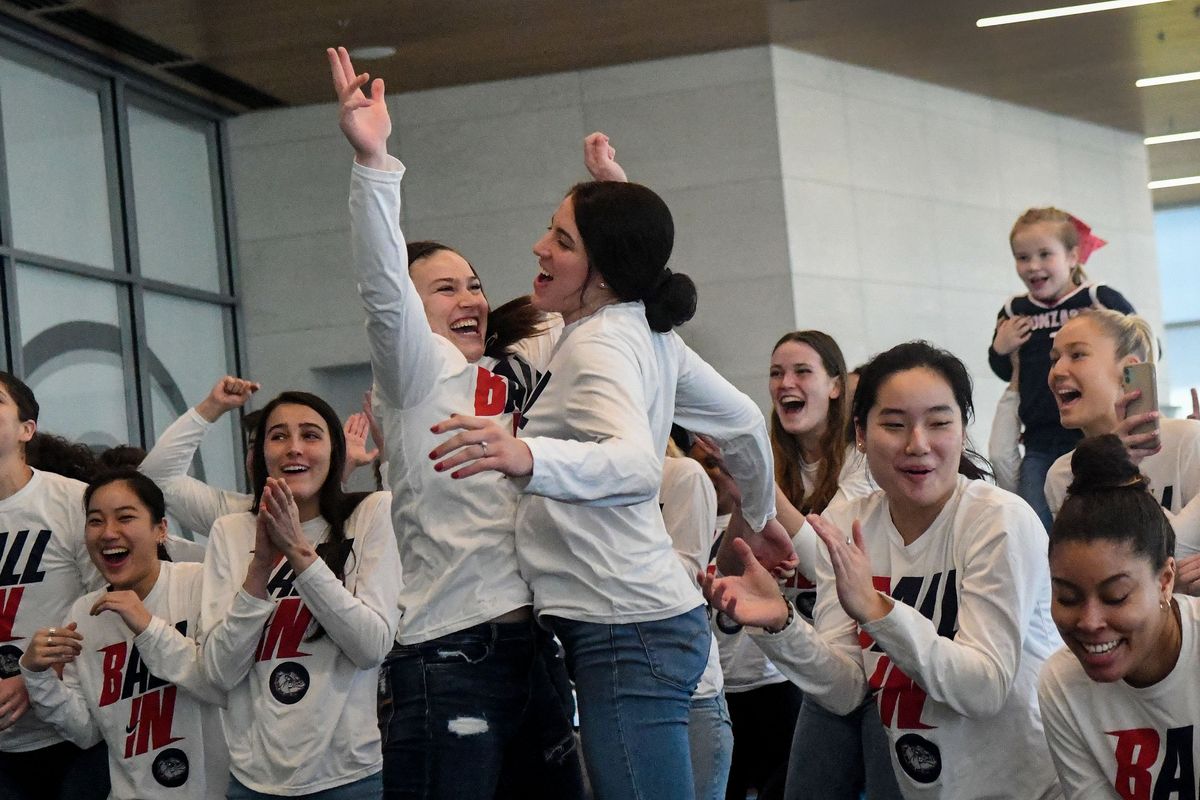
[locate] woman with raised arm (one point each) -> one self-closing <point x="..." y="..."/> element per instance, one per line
<point x="299" y="609"/>
<point x="472" y="680"/>
<point x="130" y="664"/>
<point x="588" y="463"/>
<point x="937" y="602"/>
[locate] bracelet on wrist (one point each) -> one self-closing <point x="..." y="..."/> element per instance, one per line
<point x="791" y="615"/>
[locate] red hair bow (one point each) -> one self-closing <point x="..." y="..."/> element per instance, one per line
<point x="1088" y="241"/>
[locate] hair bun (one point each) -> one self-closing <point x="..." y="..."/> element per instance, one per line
<point x="672" y="303"/>
<point x="1101" y="464"/>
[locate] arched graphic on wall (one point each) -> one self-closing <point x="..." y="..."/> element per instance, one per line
<point x="69" y="338"/>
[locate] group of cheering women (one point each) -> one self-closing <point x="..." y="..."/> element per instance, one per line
<point x="885" y="618"/>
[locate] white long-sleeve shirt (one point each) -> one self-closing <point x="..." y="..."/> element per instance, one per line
<point x="1113" y="740"/>
<point x="146" y="695"/>
<point x="1174" y="474"/>
<point x="455" y="536"/>
<point x="44" y="568"/>
<point x="954" y="664"/>
<point x="689" y="510"/>
<point x="193" y="503"/>
<point x="301" y="714"/>
<point x="1004" y="443"/>
<point x="590" y="538"/>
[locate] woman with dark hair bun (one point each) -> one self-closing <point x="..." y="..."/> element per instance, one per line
<point x="1120" y="701"/>
<point x="299" y="610"/>
<point x="589" y="461"/>
<point x="932" y="595"/>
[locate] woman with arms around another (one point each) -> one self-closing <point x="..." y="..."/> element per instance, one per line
<point x="130" y="669"/>
<point x="469" y="657"/>
<point x="1121" y="700"/>
<point x="299" y="610"/>
<point x="590" y="537"/>
<point x="938" y="602"/>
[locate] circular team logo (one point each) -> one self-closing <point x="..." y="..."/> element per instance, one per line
<point x="170" y="768"/>
<point x="289" y="682"/>
<point x="804" y="603"/>
<point x="920" y="758"/>
<point x="9" y="656"/>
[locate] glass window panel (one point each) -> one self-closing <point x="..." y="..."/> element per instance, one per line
<point x="186" y="340"/>
<point x="54" y="157"/>
<point x="173" y="199"/>
<point x="1184" y="368"/>
<point x="71" y="343"/>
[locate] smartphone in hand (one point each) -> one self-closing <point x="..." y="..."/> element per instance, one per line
<point x="1141" y="377"/>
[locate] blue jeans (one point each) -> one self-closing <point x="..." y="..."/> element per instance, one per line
<point x="368" y="788"/>
<point x="634" y="682"/>
<point x="484" y="712"/>
<point x="840" y="758"/>
<point x="710" y="738"/>
<point x="1031" y="482"/>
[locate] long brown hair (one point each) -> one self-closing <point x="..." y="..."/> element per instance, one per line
<point x="786" y="446"/>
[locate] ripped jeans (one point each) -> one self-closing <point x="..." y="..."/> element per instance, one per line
<point x="484" y="712"/>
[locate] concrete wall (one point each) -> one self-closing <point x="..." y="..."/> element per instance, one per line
<point x="806" y="193"/>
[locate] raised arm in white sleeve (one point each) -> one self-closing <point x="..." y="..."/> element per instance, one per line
<point x="361" y="619"/>
<point x="195" y="504"/>
<point x="707" y="403"/>
<point x="1004" y="451"/>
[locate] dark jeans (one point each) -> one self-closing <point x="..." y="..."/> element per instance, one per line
<point x="841" y="757"/>
<point x="59" y="772"/>
<point x="481" y="713"/>
<point x="763" y="722"/>
<point x="1031" y="481"/>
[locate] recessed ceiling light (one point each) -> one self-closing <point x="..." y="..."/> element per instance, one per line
<point x="1170" y="182"/>
<point x="1172" y="137"/>
<point x="371" y="53"/>
<point x="1159" y="81"/>
<point x="1064" y="11"/>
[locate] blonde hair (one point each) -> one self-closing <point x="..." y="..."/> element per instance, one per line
<point x="1067" y="233"/>
<point x="1130" y="333"/>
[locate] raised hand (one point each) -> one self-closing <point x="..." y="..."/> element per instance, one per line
<point x="852" y="571"/>
<point x="1011" y="333"/>
<point x="1138" y="445"/>
<point x="228" y="393"/>
<point x="128" y="605"/>
<point x="600" y="159"/>
<point x="281" y="517"/>
<point x="1187" y="575"/>
<point x="749" y="598"/>
<point x="481" y="446"/>
<point x="50" y="647"/>
<point x="356" y="429"/>
<point x="363" y="118"/>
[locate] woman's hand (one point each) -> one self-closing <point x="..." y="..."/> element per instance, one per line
<point x="265" y="556"/>
<point x="1011" y="333"/>
<point x="772" y="547"/>
<point x="281" y="520"/>
<point x="482" y="445"/>
<point x="228" y="393"/>
<point x="1138" y="445"/>
<point x="356" y="429"/>
<point x="852" y="571"/>
<point x="128" y="605"/>
<point x="364" y="119"/>
<point x="751" y="598"/>
<point x="50" y="647"/>
<point x="1187" y="575"/>
<point x="14" y="700"/>
<point x="600" y="159"/>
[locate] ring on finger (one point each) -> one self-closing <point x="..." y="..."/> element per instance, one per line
<point x="485" y="450"/>
<point x="49" y="640"/>
<point x="51" y="631"/>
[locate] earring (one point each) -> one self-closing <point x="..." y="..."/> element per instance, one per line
<point x="603" y="285"/>
<point x="1164" y="605"/>
<point x="861" y="447"/>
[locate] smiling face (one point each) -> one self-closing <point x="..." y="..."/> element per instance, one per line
<point x="1085" y="377"/>
<point x="913" y="440"/>
<point x="454" y="302"/>
<point x="1044" y="263"/>
<point x="564" y="283"/>
<point x="122" y="537"/>
<point x="297" y="449"/>
<point x="801" y="390"/>
<point x="1108" y="604"/>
